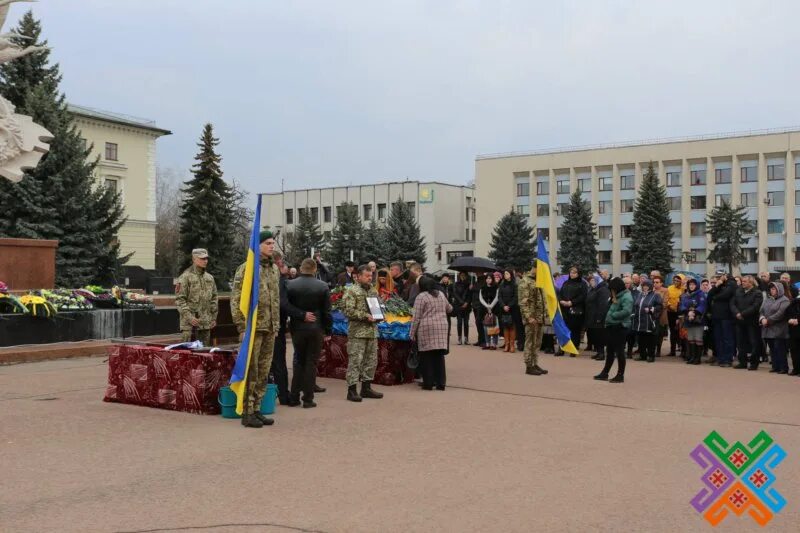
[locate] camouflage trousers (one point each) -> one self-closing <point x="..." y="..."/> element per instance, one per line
<point x="362" y="360"/>
<point x="203" y="335"/>
<point x="258" y="372"/>
<point x="533" y="341"/>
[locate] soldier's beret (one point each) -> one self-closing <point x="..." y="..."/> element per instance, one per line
<point x="264" y="235"/>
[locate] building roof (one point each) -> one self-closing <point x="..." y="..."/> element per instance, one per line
<point x="116" y="118"/>
<point x="407" y="182"/>
<point x="644" y="142"/>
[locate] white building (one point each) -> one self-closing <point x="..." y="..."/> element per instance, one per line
<point x="445" y="212"/>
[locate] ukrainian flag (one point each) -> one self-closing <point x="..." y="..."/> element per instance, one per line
<point x="544" y="280"/>
<point x="248" y="305"/>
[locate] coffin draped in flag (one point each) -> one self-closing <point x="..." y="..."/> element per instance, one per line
<point x="544" y="280"/>
<point x="248" y="305"/>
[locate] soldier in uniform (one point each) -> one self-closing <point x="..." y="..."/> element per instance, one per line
<point x="532" y="307"/>
<point x="362" y="336"/>
<point x="266" y="330"/>
<point x="196" y="299"/>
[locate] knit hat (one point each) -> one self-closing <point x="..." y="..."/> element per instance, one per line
<point x="264" y="235"/>
<point x="3" y="287"/>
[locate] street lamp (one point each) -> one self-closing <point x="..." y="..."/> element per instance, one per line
<point x="688" y="257"/>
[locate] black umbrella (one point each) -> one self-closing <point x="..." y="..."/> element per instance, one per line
<point x="472" y="264"/>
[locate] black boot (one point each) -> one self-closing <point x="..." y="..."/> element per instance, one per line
<point x="697" y="354"/>
<point x="531" y="371"/>
<point x="263" y="419"/>
<point x="367" y="392"/>
<point x="250" y="421"/>
<point x="352" y="393"/>
<point x="541" y="370"/>
<point x="617" y="379"/>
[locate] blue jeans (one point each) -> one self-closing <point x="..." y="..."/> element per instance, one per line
<point x="724" y="338"/>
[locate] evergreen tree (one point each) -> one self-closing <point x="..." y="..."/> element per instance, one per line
<point x="206" y="214"/>
<point x="727" y="226"/>
<point x="651" y="233"/>
<point x="512" y="242"/>
<point x="306" y="237"/>
<point x="348" y="234"/>
<point x="578" y="237"/>
<point x="404" y="239"/>
<point x="374" y="243"/>
<point x="59" y="199"/>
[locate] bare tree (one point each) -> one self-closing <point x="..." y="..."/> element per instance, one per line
<point x="242" y="220"/>
<point x="168" y="221"/>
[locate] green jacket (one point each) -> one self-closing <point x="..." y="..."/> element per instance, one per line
<point x="619" y="314"/>
<point x="269" y="307"/>
<point x="531" y="300"/>
<point x="354" y="307"/>
<point x="196" y="297"/>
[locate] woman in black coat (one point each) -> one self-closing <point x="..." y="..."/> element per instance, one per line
<point x="572" y="298"/>
<point x="507" y="296"/>
<point x="793" y="315"/>
<point x="597" y="301"/>
<point x="462" y="306"/>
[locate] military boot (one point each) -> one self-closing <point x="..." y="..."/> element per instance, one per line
<point x="263" y="419"/>
<point x="250" y="421"/>
<point x="367" y="392"/>
<point x="541" y="370"/>
<point x="352" y="393"/>
<point x="532" y="371"/>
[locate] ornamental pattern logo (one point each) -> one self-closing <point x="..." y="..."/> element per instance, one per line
<point x="738" y="478"/>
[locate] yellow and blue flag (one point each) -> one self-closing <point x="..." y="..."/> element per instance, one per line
<point x="248" y="305"/>
<point x="544" y="280"/>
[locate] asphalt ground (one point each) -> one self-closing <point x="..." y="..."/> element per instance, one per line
<point x="497" y="451"/>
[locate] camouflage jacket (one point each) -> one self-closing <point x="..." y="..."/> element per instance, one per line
<point x="269" y="307"/>
<point x="354" y="306"/>
<point x="196" y="297"/>
<point x="531" y="300"/>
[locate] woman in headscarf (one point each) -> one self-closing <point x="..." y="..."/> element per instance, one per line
<point x="572" y="298"/>
<point x="692" y="310"/>
<point x="385" y="285"/>
<point x="618" y="322"/>
<point x="775" y="326"/>
<point x="507" y="298"/>
<point x="646" y="312"/>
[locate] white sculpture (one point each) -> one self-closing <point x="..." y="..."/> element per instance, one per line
<point x="22" y="141"/>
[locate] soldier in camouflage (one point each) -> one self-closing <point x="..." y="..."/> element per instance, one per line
<point x="196" y="299"/>
<point x="362" y="336"/>
<point x="532" y="307"/>
<point x="267" y="329"/>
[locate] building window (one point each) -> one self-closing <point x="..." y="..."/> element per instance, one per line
<point x="606" y="184"/>
<point x="797" y="225"/>
<point x="797" y="197"/>
<point x="749" y="174"/>
<point x="699" y="255"/>
<point x="585" y="185"/>
<point x="626" y="182"/>
<point x="677" y="256"/>
<point x="676" y="229"/>
<point x="776" y="198"/>
<point x="466" y="234"/>
<point x="626" y="231"/>
<point x="796" y="170"/>
<point x="473" y="234"/>
<point x="697" y="229"/>
<point x="524" y="210"/>
<point x="604" y="232"/>
<point x="625" y="257"/>
<point x="523" y="189"/>
<point x="722" y="175"/>
<point x="775" y="225"/>
<point x="315" y="214"/>
<point x="562" y="187"/>
<point x="753" y="225"/>
<point x="412" y="206"/>
<point x="545" y="233"/>
<point x="301" y="212"/>
<point x="776" y="253"/>
<point x="473" y="214"/>
<point x="674" y="203"/>
<point x="604" y="207"/>
<point x="604" y="257"/>
<point x="542" y="210"/>
<point x="367" y="211"/>
<point x="111" y="152"/>
<point x="776" y="172"/>
<point x="559" y="233"/>
<point x="290" y="216"/>
<point x="698" y="177"/>
<point x="111" y="183"/>
<point x="673" y="179"/>
<point x="749" y="199"/>
<point x="382" y="211"/>
<point x="750" y="255"/>
<point x="542" y="188"/>
<point x="626" y="206"/>
<point x="697" y="202"/>
<point x="718" y="199"/>
<point x="326" y="213"/>
<point x="561" y="209"/>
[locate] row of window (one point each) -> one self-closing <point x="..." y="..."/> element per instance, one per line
<point x="366" y="209"/>
<point x="700" y="255"/>
<point x="696" y="177"/>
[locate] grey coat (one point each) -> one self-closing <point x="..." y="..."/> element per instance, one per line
<point x="774" y="310"/>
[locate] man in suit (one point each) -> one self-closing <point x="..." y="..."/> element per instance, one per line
<point x="278" y="369"/>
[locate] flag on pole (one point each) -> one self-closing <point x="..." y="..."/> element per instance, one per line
<point x="544" y="280"/>
<point x="248" y="305"/>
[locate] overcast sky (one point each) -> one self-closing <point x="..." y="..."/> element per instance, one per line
<point x="336" y="92"/>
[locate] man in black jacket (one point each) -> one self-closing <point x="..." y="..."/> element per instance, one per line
<point x="278" y="369"/>
<point x="722" y="319"/>
<point x="745" y="307"/>
<point x="311" y="296"/>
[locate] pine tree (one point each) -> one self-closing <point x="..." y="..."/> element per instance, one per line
<point x="374" y="243"/>
<point x="59" y="199"/>
<point x="651" y="233"/>
<point x="306" y="237"/>
<point x="404" y="238"/>
<point x="206" y="215"/>
<point x="578" y="237"/>
<point x="727" y="226"/>
<point x="348" y="234"/>
<point x="512" y="242"/>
